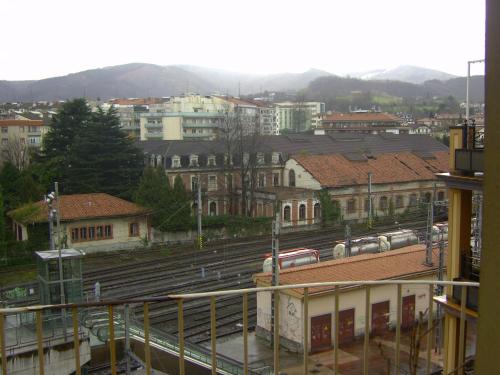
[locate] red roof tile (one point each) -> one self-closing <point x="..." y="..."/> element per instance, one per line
<point x="395" y="264"/>
<point x="357" y="117"/>
<point x="11" y="122"/>
<point x="82" y="206"/>
<point x="335" y="170"/>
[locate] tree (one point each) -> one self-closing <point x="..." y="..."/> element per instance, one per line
<point x="71" y="121"/>
<point x="180" y="218"/>
<point x="103" y="158"/>
<point x="330" y="212"/>
<point x="16" y="152"/>
<point x="154" y="192"/>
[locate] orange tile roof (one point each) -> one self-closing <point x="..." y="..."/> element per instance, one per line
<point x="335" y="170"/>
<point x="81" y="206"/>
<point x="11" y="122"/>
<point x="356" y="117"/>
<point x="395" y="264"/>
<point x="234" y="100"/>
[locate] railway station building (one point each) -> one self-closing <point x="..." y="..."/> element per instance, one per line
<point x="402" y="264"/>
<point x="288" y="171"/>
<point x="89" y="222"/>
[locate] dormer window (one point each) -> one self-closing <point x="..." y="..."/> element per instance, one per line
<point x="211" y="161"/>
<point x="228" y="160"/>
<point x="176" y="162"/>
<point x="193" y="160"/>
<point x="276" y="158"/>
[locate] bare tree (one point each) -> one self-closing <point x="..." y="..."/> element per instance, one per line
<point x="16" y="151"/>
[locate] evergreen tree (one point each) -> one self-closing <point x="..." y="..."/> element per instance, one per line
<point x="2" y="224"/>
<point x="66" y="125"/>
<point x="8" y="177"/>
<point x="154" y="192"/>
<point x="103" y="158"/>
<point x="181" y="206"/>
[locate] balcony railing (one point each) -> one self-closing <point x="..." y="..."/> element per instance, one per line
<point x="470" y="158"/>
<point x="116" y="325"/>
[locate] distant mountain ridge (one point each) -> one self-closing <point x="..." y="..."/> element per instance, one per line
<point x="404" y="73"/>
<point x="149" y="80"/>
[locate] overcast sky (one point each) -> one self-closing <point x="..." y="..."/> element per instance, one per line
<point x="48" y="38"/>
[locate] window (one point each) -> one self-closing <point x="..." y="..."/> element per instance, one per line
<point x="302" y="212"/>
<point x="262" y="180"/>
<point x="382" y="204"/>
<point x="194" y="183"/>
<point x="291" y="178"/>
<point x="133" y="230"/>
<point x="275" y="158"/>
<point x="260" y="158"/>
<point x="317" y="211"/>
<point x="91" y="233"/>
<point x="74" y="234"/>
<point x="83" y="233"/>
<point x="108" y="231"/>
<point x="440" y="196"/>
<point x="193" y="161"/>
<point x="211" y="161"/>
<point x="5" y="141"/>
<point x="399" y="201"/>
<point x="212" y="182"/>
<point x="351" y="206"/>
<point x="427" y="197"/>
<point x="367" y="205"/>
<point x="413" y="200"/>
<point x="99" y="232"/>
<point x="286" y="214"/>
<point x="176" y="162"/>
<point x="276" y="179"/>
<point x="212" y="208"/>
<point x="5" y="129"/>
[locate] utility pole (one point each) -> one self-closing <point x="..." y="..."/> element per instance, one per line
<point x="61" y="273"/>
<point x="428" y="239"/>
<point x="275" y="282"/>
<point x="440" y="292"/>
<point x="348" y="240"/>
<point x="199" y="209"/>
<point x="370" y="214"/>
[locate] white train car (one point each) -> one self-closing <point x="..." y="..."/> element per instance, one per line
<point x="292" y="258"/>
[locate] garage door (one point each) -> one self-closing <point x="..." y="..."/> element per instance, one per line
<point x="346" y="326"/>
<point x="408" y="312"/>
<point x="380" y="318"/>
<point x="321" y="332"/>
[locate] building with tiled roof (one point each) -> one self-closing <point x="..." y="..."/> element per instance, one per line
<point x="402" y="264"/>
<point x="360" y="122"/>
<point x="89" y="222"/>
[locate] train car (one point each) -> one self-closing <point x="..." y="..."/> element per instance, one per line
<point x="292" y="258"/>
<point x="400" y="238"/>
<point x="362" y="245"/>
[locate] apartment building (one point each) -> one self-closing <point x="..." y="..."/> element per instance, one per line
<point x="360" y="122"/>
<point x="298" y="116"/>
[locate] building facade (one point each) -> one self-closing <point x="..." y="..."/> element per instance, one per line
<point x="298" y="116"/>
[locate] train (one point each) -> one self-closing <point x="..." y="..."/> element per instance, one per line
<point x="292" y="258"/>
<point x="388" y="241"/>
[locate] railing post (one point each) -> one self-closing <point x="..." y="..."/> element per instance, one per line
<point x="430" y="326"/>
<point x="336" y="336"/>
<point x="245" y="333"/>
<point x="399" y="310"/>
<point x="147" y="348"/>
<point x="39" y="339"/>
<point x="276" y="333"/>
<point x="305" y="337"/>
<point x="461" y="337"/>
<point x="3" y="344"/>
<point x="112" y="347"/>
<point x="367" y="331"/>
<point x="180" y="314"/>
<point x="76" y="340"/>
<point x="213" y="335"/>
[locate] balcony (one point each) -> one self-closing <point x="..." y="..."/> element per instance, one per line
<point x="129" y="324"/>
<point x="155" y="135"/>
<point x="469" y="154"/>
<point x="153" y="125"/>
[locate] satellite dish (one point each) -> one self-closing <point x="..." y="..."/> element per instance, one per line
<point x="339" y="251"/>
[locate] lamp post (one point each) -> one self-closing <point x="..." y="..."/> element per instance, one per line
<point x="467" y="90"/>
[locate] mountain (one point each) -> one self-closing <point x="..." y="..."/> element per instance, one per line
<point x="404" y="73"/>
<point x="145" y="80"/>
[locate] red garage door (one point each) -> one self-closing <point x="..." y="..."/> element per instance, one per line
<point x="321" y="332"/>
<point x="408" y="312"/>
<point x="380" y="318"/>
<point x="346" y="326"/>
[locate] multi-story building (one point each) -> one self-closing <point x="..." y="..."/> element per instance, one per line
<point x="289" y="171"/>
<point x="298" y="116"/>
<point x="17" y="137"/>
<point x="364" y="122"/>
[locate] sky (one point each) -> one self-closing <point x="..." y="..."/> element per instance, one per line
<point x="42" y="39"/>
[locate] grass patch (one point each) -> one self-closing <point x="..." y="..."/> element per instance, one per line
<point x="18" y="274"/>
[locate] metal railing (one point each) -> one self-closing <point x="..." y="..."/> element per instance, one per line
<point x="223" y="365"/>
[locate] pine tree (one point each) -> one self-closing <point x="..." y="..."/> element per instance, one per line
<point x="181" y="206"/>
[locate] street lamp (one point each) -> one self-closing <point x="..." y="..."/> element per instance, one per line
<point x="467" y="90"/>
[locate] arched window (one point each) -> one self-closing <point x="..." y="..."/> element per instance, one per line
<point x="351" y="206"/>
<point x="427" y="197"/>
<point x="213" y="208"/>
<point x="317" y="211"/>
<point x="302" y="212"/>
<point x="291" y="178"/>
<point x="286" y="214"/>
<point x="382" y="204"/>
